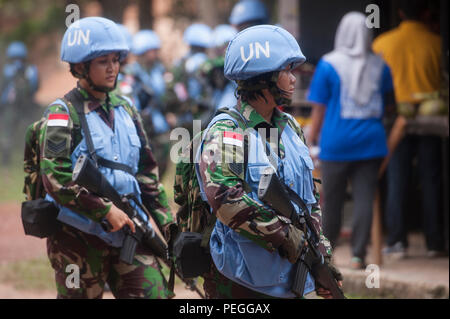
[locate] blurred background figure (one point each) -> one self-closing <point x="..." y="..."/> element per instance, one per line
<point x="123" y="86"/>
<point x="189" y="96"/>
<point x="223" y="90"/>
<point x="248" y="13"/>
<point x="413" y="53"/>
<point x="144" y="82"/>
<point x="18" y="85"/>
<point x="348" y="93"/>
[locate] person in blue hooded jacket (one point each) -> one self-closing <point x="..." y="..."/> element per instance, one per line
<point x="94" y="47"/>
<point x="350" y="91"/>
<point x="254" y="249"/>
<point x="19" y="83"/>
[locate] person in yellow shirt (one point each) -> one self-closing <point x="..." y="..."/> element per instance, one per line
<point x="413" y="54"/>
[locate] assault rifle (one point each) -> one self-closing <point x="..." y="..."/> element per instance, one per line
<point x="87" y="175"/>
<point x="277" y="195"/>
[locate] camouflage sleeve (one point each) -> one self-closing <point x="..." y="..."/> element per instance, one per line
<point x="56" y="144"/>
<point x="153" y="194"/>
<point x="227" y="197"/>
<point x="316" y="214"/>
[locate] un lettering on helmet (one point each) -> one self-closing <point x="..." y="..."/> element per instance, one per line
<point x="77" y="36"/>
<point x="258" y="48"/>
<point x="261" y="49"/>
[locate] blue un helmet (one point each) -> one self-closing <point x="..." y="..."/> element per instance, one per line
<point x="126" y="33"/>
<point x="16" y="50"/>
<point x="249" y="11"/>
<point x="145" y="40"/>
<point x="261" y="49"/>
<point x="222" y="34"/>
<point x="198" y="34"/>
<point x="90" y="38"/>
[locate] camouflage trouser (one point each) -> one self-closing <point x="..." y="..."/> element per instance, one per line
<point x="217" y="286"/>
<point x="98" y="264"/>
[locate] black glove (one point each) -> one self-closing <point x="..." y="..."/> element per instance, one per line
<point x="292" y="246"/>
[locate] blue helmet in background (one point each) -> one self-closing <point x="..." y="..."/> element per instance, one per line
<point x="126" y="33"/>
<point x="249" y="10"/>
<point x="16" y="50"/>
<point x="145" y="40"/>
<point x="222" y="34"/>
<point x="261" y="49"/>
<point x="91" y="37"/>
<point x="198" y="34"/>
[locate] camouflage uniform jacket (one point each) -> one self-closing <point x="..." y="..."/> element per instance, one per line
<point x="56" y="164"/>
<point x="225" y="189"/>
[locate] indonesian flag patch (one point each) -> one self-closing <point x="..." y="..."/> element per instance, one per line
<point x="232" y="138"/>
<point x="58" y="120"/>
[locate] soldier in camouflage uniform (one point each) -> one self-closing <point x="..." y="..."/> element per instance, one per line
<point x="249" y="235"/>
<point x="94" y="50"/>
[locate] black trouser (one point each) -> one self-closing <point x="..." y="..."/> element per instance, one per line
<point x="428" y="153"/>
<point x="363" y="178"/>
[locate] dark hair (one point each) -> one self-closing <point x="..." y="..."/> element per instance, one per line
<point x="252" y="88"/>
<point x="77" y="74"/>
<point x="413" y="9"/>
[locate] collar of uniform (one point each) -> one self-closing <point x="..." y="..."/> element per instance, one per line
<point x="412" y="25"/>
<point x="93" y="103"/>
<point x="279" y="119"/>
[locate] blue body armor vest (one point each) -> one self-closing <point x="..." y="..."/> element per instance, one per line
<point x="121" y="145"/>
<point x="241" y="259"/>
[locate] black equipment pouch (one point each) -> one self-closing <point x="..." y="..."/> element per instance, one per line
<point x="39" y="217"/>
<point x="191" y="258"/>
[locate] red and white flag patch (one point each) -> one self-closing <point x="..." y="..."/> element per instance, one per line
<point x="232" y="138"/>
<point x="58" y="120"/>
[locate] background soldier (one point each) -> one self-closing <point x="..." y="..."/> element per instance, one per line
<point x="18" y="85"/>
<point x="223" y="90"/>
<point x="148" y="88"/>
<point x="189" y="97"/>
<point x="247" y="13"/>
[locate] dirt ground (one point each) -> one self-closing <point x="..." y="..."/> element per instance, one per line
<point x="16" y="246"/>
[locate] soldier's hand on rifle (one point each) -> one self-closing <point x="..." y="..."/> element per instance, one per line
<point x="292" y="246"/>
<point x="324" y="293"/>
<point x="117" y="218"/>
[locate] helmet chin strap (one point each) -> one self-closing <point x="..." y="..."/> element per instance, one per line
<point x="277" y="93"/>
